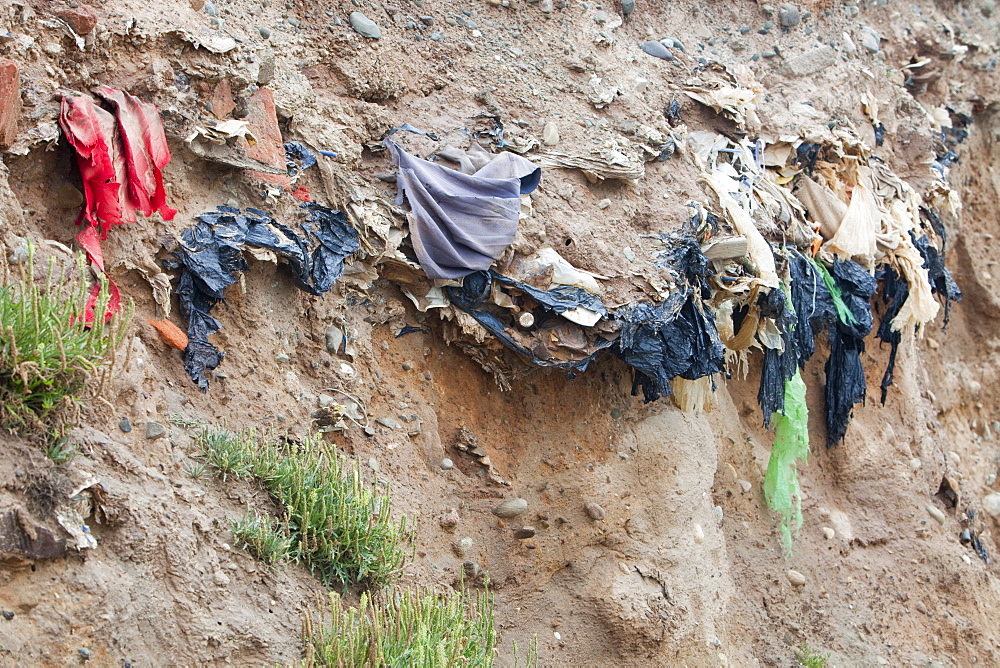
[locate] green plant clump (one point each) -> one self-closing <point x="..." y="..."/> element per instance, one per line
<point x="47" y="351"/>
<point x="810" y="659"/>
<point x="336" y="525"/>
<point x="408" y="628"/>
<point x="266" y="539"/>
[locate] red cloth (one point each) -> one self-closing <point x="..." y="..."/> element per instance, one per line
<point x="121" y="166"/>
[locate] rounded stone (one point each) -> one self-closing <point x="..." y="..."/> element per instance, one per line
<point x="511" y="508"/>
<point x="524" y="533"/>
<point x="447" y="464"/>
<point x="657" y="50"/>
<point x="797" y="579"/>
<point x="788" y="16"/>
<point x="991" y="504"/>
<point x="595" y="511"/>
<point x="364" y="26"/>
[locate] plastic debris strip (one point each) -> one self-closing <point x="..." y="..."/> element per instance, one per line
<point x="211" y="255"/>
<point x="791" y="445"/>
<point x="895" y="292"/>
<point x="779" y="364"/>
<point x="736" y="103"/>
<point x="845" y="374"/>
<point x="677" y="337"/>
<point x="120" y="164"/>
<point x="298" y="158"/>
<point x="461" y="223"/>
<point x="574" y="348"/>
<point x="599" y="164"/>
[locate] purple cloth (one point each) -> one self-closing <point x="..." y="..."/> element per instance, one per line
<point x="461" y="223"/>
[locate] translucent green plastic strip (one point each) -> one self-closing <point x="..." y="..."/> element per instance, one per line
<point x="791" y="444"/>
<point x="843" y="312"/>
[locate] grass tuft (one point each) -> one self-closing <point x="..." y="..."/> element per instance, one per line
<point x="47" y="352"/>
<point x="267" y="540"/>
<point x="60" y="450"/>
<point x="336" y="525"/>
<point x="407" y="628"/>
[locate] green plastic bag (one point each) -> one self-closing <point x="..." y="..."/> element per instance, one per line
<point x="791" y="444"/>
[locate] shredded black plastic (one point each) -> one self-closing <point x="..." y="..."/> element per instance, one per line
<point x="673" y="113"/>
<point x="778" y="365"/>
<point x="942" y="283"/>
<point x="477" y="288"/>
<point x="895" y="290"/>
<point x="677" y="337"/>
<point x="813" y="305"/>
<point x="879" y="133"/>
<point x="806" y="155"/>
<point x="298" y="158"/>
<point x="845" y="376"/>
<point x="211" y="255"/>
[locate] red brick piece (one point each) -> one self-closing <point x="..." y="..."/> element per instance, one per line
<point x="82" y="19"/>
<point x="222" y="99"/>
<point x="264" y="126"/>
<point x="10" y="101"/>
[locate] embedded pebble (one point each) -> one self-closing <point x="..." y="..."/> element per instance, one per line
<point x="325" y="401"/>
<point x="914" y="463"/>
<point x="85" y="653"/>
<point x="546" y="6"/>
<point x="387" y="422"/>
<point x="511" y="508"/>
<point x="745" y="485"/>
<point x="8" y="615"/>
<point x="870" y="39"/>
<point x="657" y="50"/>
<point x="595" y="511"/>
<point x="936" y="513"/>
<point x="797" y="579"/>
<point x="462" y="546"/>
<point x="604" y="203"/>
<point x="628" y="6"/>
<point x="788" y="16"/>
<point x="125" y="425"/>
<point x="447" y="464"/>
<point x="991" y="504"/>
<point x="364" y="26"/>
<point x="449" y="520"/>
<point x="829" y="533"/>
<point x="699" y="534"/>
<point x="550" y="134"/>
<point x="373" y="464"/>
<point x="264" y="32"/>
<point x="524" y="533"/>
<point x="334" y="339"/>
<point x="672" y="43"/>
<point x="155" y="430"/>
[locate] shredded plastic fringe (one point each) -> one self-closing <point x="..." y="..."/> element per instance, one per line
<point x="791" y="444"/>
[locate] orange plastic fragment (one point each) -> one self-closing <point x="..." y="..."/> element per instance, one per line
<point x="173" y="335"/>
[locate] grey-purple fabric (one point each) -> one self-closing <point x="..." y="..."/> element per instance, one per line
<point x="461" y="223"/>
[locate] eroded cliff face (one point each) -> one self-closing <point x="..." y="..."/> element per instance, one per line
<point x="686" y="567"/>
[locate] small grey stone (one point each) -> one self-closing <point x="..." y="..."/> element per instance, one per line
<point x="546" y="6"/>
<point x="85" y="653"/>
<point x="364" y="26"/>
<point x="524" y="533"/>
<point x="427" y="20"/>
<point x="768" y="25"/>
<point x="266" y="72"/>
<point x="334" y="340"/>
<point x="325" y="401"/>
<point x="373" y="464"/>
<point x="797" y="579"/>
<point x="471" y="569"/>
<point x="19" y="248"/>
<point x="870" y="39"/>
<point x="991" y="504"/>
<point x="210" y="9"/>
<point x="601" y="17"/>
<point x="511" y="508"/>
<point x="282" y="358"/>
<point x="789" y="15"/>
<point x="264" y="32"/>
<point x="369" y="431"/>
<point x="657" y="50"/>
<point x="462" y="546"/>
<point x="407" y="366"/>
<point x="628" y="6"/>
<point x="447" y="464"/>
<point x="616" y="413"/>
<point x="674" y="43"/>
<point x="449" y="520"/>
<point x="388" y="422"/>
<point x="125" y="425"/>
<point x="8" y="615"/>
<point x="155" y="430"/>
<point x="595" y="511"/>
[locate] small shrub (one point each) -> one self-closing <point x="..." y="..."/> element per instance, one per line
<point x="336" y="525"/>
<point x="47" y="352"/>
<point x="407" y="628"/>
<point x="59" y="450"/>
<point x="811" y="659"/>
<point x="263" y="537"/>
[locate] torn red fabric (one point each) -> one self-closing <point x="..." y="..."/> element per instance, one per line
<point x="121" y="167"/>
<point x="302" y="193"/>
<point x="146" y="152"/>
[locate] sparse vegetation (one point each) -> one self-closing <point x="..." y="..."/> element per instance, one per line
<point x="408" y="628"/>
<point x="266" y="539"/>
<point x="809" y="658"/>
<point x="59" y="450"/>
<point x="335" y="524"/>
<point x="47" y="351"/>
